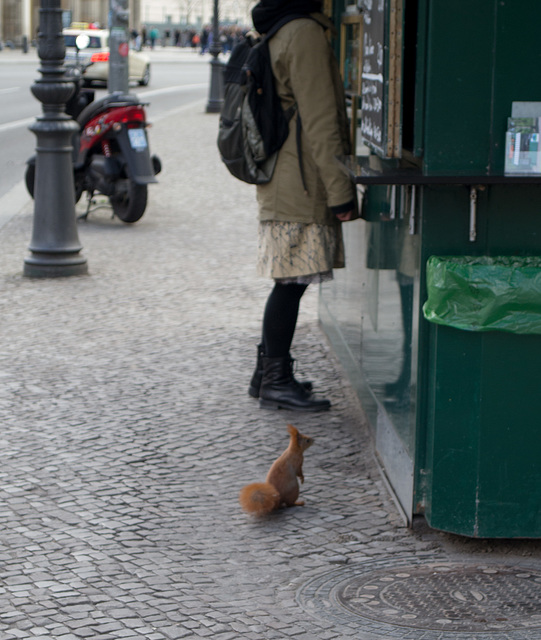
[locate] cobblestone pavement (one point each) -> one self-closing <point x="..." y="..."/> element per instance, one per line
<point x="127" y="432"/>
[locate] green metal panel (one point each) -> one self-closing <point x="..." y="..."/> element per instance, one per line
<point x="470" y="426"/>
<point x="477" y="465"/>
<point x="516" y="61"/>
<point x="444" y="231"/>
<point x="459" y="71"/>
<point x="480" y="57"/>
<point x="510" y="438"/>
<point x="453" y="434"/>
<point x="514" y="220"/>
<point x="478" y="469"/>
<point x="484" y="475"/>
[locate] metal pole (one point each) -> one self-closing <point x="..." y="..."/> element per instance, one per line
<point x="216" y="94"/>
<point x="55" y="248"/>
<point x="119" y="46"/>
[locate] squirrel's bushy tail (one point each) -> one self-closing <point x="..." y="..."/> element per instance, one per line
<point x="259" y="498"/>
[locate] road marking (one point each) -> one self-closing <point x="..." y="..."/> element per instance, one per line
<point x="10" y="90"/>
<point x="178" y="88"/>
<point x="176" y="110"/>
<point x="13" y="202"/>
<point x="16" y="124"/>
<point x="8" y="126"/>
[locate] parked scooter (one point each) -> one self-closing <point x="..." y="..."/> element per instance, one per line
<point x="110" y="152"/>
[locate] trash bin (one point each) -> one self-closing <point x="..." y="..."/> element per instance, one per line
<point x="482" y="472"/>
<point x="485" y="293"/>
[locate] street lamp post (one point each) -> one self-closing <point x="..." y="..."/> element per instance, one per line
<point x="216" y="93"/>
<point x="55" y="248"/>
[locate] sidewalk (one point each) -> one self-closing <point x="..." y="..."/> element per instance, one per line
<point x="127" y="433"/>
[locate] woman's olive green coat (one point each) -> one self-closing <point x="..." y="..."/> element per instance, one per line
<point x="307" y="75"/>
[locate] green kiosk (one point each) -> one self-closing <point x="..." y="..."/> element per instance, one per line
<point x="437" y="317"/>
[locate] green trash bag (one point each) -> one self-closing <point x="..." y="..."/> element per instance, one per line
<point x="485" y="293"/>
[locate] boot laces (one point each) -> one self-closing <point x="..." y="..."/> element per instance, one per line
<point x="292" y="371"/>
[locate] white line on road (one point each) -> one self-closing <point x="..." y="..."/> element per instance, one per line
<point x="178" y="88"/>
<point x="16" y="124"/>
<point x="13" y="202"/>
<point x="10" y="90"/>
<point x="177" y="110"/>
<point x="8" y="126"/>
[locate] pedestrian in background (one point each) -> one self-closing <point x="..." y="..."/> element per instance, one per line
<point x="204" y="39"/>
<point x="300" y="236"/>
<point x="154" y="35"/>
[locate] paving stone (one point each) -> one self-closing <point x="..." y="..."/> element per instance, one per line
<point x="127" y="433"/>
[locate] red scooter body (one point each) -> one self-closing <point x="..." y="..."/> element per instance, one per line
<point x="111" y="152"/>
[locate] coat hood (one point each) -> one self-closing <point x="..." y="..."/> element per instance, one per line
<point x="268" y="12"/>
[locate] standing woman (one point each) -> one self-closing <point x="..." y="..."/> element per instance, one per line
<point x="302" y="207"/>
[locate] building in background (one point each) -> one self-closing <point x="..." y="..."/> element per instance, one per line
<point x="19" y="19"/>
<point x="195" y="12"/>
<point x="16" y="20"/>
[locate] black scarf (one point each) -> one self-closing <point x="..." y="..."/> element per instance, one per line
<point x="268" y="12"/>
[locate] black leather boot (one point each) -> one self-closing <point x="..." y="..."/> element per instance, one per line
<point x="255" y="382"/>
<point x="280" y="390"/>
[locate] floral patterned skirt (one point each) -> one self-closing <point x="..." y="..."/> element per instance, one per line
<point x="299" y="252"/>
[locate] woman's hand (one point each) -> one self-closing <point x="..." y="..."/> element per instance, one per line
<point x="344" y="217"/>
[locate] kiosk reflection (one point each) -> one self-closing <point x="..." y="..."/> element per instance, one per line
<point x="392" y="264"/>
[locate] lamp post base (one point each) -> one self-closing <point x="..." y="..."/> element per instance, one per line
<point x="214" y="106"/>
<point x="54" y="266"/>
<point x="216" y="94"/>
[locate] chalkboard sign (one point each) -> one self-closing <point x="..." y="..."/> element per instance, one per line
<point x="381" y="76"/>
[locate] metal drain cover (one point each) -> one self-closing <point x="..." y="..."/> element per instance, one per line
<point x="445" y="600"/>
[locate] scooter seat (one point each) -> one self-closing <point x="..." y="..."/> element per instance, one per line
<point x="108" y="102"/>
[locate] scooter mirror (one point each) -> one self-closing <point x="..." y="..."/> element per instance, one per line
<point x="82" y="41"/>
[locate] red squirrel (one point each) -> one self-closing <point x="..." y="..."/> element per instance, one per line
<point x="281" y="486"/>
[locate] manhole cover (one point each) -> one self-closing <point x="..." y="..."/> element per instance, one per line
<point x="451" y="600"/>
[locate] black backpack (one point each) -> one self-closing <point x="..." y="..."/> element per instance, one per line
<point x="253" y="124"/>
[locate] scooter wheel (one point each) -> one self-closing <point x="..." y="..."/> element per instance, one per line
<point x="30" y="176"/>
<point x="79" y="185"/>
<point x="130" y="205"/>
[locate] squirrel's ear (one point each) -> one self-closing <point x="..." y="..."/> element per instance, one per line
<point x="291" y="429"/>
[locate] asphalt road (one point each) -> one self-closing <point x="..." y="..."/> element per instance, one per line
<point x="173" y="86"/>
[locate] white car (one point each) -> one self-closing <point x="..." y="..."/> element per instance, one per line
<point x="97" y="52"/>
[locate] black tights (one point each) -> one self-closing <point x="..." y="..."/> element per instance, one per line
<point x="280" y="319"/>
